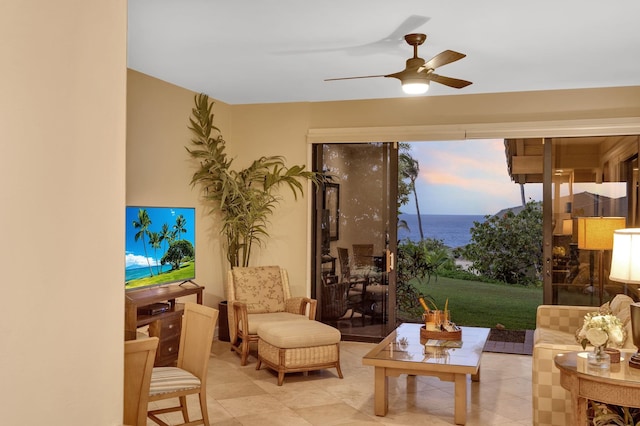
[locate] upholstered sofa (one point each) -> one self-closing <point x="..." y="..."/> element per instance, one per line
<point x="555" y="333"/>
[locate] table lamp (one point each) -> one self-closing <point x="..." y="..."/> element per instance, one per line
<point x="625" y="268"/>
<point x="596" y="233"/>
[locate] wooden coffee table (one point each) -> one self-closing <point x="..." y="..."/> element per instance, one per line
<point x="403" y="352"/>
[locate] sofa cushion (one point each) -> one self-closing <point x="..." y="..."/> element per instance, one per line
<point x="618" y="306"/>
<point x="547" y="335"/>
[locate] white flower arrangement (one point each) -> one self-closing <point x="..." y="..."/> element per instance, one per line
<point x="601" y="329"/>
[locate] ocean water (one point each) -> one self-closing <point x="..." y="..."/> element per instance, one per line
<point x="454" y="230"/>
<point x="135" y="273"/>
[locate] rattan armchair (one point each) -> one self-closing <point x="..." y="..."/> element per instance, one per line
<point x="260" y="294"/>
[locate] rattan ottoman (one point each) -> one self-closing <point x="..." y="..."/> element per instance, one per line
<point x="293" y="346"/>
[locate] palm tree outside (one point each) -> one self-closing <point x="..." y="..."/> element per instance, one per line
<point x="410" y="170"/>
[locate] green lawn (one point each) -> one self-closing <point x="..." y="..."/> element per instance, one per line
<point x="186" y="271"/>
<point x="475" y="303"/>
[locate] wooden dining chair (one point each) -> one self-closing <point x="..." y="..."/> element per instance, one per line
<point x="362" y="255"/>
<point x="357" y="285"/>
<point x="189" y="376"/>
<point x="138" y="364"/>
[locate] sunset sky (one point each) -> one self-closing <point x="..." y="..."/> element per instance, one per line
<point x="465" y="177"/>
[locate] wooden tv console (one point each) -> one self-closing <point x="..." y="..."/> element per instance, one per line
<point x="166" y="325"/>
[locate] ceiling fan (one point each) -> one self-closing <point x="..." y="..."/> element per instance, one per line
<point x="418" y="73"/>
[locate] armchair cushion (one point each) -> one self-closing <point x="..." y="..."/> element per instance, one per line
<point x="260" y="288"/>
<point x="255" y="320"/>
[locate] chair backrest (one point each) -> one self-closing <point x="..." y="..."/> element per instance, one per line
<point x="362" y="255"/>
<point x="196" y="338"/>
<point x="138" y="365"/>
<point x="343" y="258"/>
<point x="262" y="288"/>
<point x="334" y="298"/>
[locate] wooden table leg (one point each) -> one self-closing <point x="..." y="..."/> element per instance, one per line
<point x="476" y="377"/>
<point x="460" y="413"/>
<point x="580" y="406"/>
<point x="381" y="392"/>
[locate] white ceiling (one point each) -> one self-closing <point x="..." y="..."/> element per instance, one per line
<point x="263" y="51"/>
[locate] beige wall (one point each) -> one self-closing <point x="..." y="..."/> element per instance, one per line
<point x="62" y="168"/>
<point x="283" y="129"/>
<point x="159" y="171"/>
<point x="278" y="129"/>
<point x="159" y="168"/>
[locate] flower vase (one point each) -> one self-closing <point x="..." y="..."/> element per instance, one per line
<point x="599" y="359"/>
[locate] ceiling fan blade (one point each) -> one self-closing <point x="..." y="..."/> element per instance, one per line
<point x="443" y="58"/>
<point x="448" y="81"/>
<point x="353" y="78"/>
<point x="388" y="43"/>
<point x="406" y="27"/>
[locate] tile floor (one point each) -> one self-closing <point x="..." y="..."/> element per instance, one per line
<point x="243" y="396"/>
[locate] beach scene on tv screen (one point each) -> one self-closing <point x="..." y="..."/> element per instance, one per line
<point x="159" y="246"/>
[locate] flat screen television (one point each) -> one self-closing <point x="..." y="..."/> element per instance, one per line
<point x="159" y="246"/>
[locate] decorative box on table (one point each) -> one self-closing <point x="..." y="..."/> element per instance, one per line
<point x="439" y="335"/>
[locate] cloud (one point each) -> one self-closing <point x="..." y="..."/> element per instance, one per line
<point x="464" y="177"/>
<point x="133" y="261"/>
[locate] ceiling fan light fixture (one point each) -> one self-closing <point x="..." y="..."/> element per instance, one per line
<point x="418" y="73"/>
<point x="415" y="86"/>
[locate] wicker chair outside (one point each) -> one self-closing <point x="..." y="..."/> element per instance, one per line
<point x="334" y="299"/>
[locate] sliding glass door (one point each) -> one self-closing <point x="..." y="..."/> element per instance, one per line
<point x="355" y="238"/>
<point x="594" y="190"/>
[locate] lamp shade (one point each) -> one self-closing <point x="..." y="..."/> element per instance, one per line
<point x="567" y="227"/>
<point x="415" y="86"/>
<point x="596" y="233"/>
<point x="625" y="259"/>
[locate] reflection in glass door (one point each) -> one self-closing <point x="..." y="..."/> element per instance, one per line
<point x="354" y="238"/>
<point x="594" y="191"/>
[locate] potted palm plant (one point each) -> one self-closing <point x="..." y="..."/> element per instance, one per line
<point x="244" y="198"/>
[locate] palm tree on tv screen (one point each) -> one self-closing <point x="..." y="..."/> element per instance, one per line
<point x="179" y="227"/>
<point x="166" y="235"/>
<point x="143" y="224"/>
<point x="154" y="242"/>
